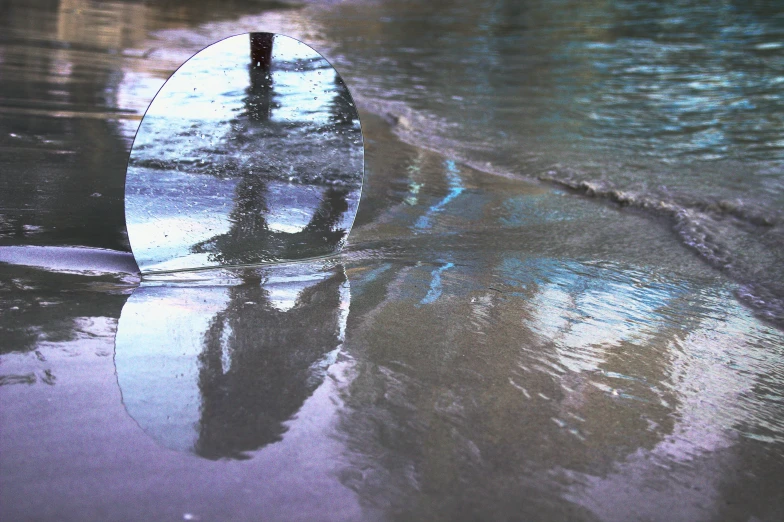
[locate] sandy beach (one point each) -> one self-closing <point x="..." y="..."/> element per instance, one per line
<point x="516" y="330"/>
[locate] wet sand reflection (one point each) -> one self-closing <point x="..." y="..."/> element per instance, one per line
<point x="519" y="354"/>
<point x="219" y="370"/>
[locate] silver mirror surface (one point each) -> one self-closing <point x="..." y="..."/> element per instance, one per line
<point x="250" y="153"/>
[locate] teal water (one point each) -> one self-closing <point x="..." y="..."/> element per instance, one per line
<point x="674" y="109"/>
<point x="240" y="162"/>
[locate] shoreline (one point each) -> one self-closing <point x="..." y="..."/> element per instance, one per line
<point x="484" y="347"/>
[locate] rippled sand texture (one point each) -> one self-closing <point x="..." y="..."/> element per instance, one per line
<point x="489" y="346"/>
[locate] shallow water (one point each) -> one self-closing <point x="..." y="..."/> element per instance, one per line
<point x="488" y="346"/>
<point x="673" y="109"/>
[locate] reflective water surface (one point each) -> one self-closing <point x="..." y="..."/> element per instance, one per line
<point x="218" y="370"/>
<point x="488" y="346"/>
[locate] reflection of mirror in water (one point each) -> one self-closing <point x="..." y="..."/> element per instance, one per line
<point x="250" y="153"/>
<point x="218" y="367"/>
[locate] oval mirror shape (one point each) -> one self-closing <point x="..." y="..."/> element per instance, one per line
<point x="250" y="153"/>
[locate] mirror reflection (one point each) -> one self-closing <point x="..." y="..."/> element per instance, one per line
<point x="217" y="367"/>
<point x="250" y="153"/>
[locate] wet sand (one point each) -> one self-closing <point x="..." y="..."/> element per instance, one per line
<point x="486" y="348"/>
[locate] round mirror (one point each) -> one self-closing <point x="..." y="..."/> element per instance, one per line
<point x="250" y="153"/>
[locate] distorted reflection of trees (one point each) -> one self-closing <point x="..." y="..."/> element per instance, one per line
<point x="250" y="239"/>
<point x="218" y="368"/>
<point x="275" y="364"/>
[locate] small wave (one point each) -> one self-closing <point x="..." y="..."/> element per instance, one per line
<point x="704" y="227"/>
<point x="603" y="190"/>
<point x="700" y="224"/>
